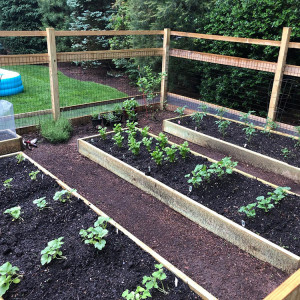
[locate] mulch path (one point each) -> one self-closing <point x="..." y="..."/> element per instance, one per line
<point x="218" y="266"/>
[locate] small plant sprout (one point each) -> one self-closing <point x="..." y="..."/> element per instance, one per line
<point x="180" y="110"/>
<point x="279" y="194"/>
<point x="245" y="117"/>
<point x="52" y="251"/>
<point x="33" y="174"/>
<point x="95" y="235"/>
<point x="184" y="149"/>
<point x="131" y="126"/>
<point x="7" y="183"/>
<point x="15" y="212"/>
<point x="162" y="140"/>
<point x="157" y="155"/>
<point x="139" y="293"/>
<point x="198" y="117"/>
<point x="147" y="142"/>
<point x="222" y="126"/>
<point x="171" y="152"/>
<point x="221" y="112"/>
<point x="249" y="131"/>
<point x="270" y="125"/>
<point x="222" y="167"/>
<point x="145" y="131"/>
<point x="264" y="203"/>
<point x="134" y="146"/>
<point x="117" y="128"/>
<point x="199" y="175"/>
<point x="41" y="203"/>
<point x="20" y="158"/>
<point x="151" y="282"/>
<point x="8" y="275"/>
<point x="285" y="152"/>
<point x="63" y="195"/>
<point x="249" y="210"/>
<point x="118" y="138"/>
<point x="102" y="132"/>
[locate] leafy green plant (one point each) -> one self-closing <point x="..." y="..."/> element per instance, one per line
<point x="118" y="109"/>
<point x="279" y="194"/>
<point x="145" y="131"/>
<point x="270" y="125"/>
<point x="157" y="155"/>
<point x="102" y="132"/>
<point x="184" y="149"/>
<point x="95" y="235"/>
<point x="180" y="110"/>
<point x="15" y="212"/>
<point x="41" y="203"/>
<point x="8" y="275"/>
<point x="134" y="146"/>
<point x="20" y="158"/>
<point x="264" y="203"/>
<point x="117" y="128"/>
<point x="63" y="195"/>
<point x="249" y="131"/>
<point x="131" y="126"/>
<point x="139" y="293"/>
<point x="245" y="117"/>
<point x="56" y="131"/>
<point x="222" y="126"/>
<point x="222" y="167"/>
<point x="198" y="175"/>
<point x="249" y="210"/>
<point x="221" y="112"/>
<point x="162" y="140"/>
<point x="130" y="104"/>
<point x="110" y="117"/>
<point x="171" y="153"/>
<point x="118" y="138"/>
<point x="7" y="183"/>
<point x="198" y="117"/>
<point x="33" y="174"/>
<point x="285" y="152"/>
<point x="147" y="142"/>
<point x="52" y="251"/>
<point x="158" y="276"/>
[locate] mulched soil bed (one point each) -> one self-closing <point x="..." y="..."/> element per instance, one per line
<point x="266" y="144"/>
<point x="6" y="135"/>
<point x="281" y="225"/>
<point x="87" y="273"/>
<point x="220" y="267"/>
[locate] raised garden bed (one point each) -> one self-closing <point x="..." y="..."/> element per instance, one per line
<point x="9" y="142"/>
<point x="168" y="184"/>
<point x="263" y="151"/>
<point x="87" y="272"/>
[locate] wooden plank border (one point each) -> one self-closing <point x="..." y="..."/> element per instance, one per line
<point x="192" y="284"/>
<point x="11" y="145"/>
<point x="203" y="216"/>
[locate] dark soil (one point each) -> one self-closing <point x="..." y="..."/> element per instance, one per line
<point x="87" y="273"/>
<point x="6" y="135"/>
<point x="224" y="195"/>
<point x="220" y="267"/>
<point x="267" y="144"/>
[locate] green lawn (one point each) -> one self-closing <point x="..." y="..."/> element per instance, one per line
<point x="36" y="95"/>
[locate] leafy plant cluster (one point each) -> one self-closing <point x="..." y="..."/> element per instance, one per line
<point x="8" y="274"/>
<point x="266" y="204"/>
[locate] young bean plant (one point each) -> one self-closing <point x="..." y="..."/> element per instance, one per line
<point x="134" y="146"/>
<point x="222" y="126"/>
<point x="117" y="128"/>
<point x="63" y="195"/>
<point x="151" y="282"/>
<point x="264" y="203"/>
<point x="14" y="212"/>
<point x="52" y="251"/>
<point x="7" y="183"/>
<point x="162" y="140"/>
<point x="20" y="158"/>
<point x="118" y="138"/>
<point x="139" y="293"/>
<point x="33" y="174"/>
<point x="222" y="167"/>
<point x="199" y="175"/>
<point x="102" y="132"/>
<point x="171" y="153"/>
<point x="249" y="210"/>
<point x="145" y="131"/>
<point x="41" y="203"/>
<point x="8" y="275"/>
<point x="180" y="110"/>
<point x="157" y="155"/>
<point x="249" y="131"/>
<point x="131" y="126"/>
<point x="147" y="142"/>
<point x="279" y="194"/>
<point x="95" y="235"/>
<point x="184" y="149"/>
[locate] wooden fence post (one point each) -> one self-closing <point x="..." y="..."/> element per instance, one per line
<point x="279" y="73"/>
<point x="53" y="73"/>
<point x="165" y="65"/>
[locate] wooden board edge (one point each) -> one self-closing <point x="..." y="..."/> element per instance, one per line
<point x="192" y="284"/>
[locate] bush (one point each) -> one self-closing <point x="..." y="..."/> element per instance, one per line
<point x="56" y="131"/>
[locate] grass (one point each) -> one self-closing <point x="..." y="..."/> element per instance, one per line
<point x="36" y="95"/>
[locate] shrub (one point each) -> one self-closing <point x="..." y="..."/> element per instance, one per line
<point x="56" y="131"/>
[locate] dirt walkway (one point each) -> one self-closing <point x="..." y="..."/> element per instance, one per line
<point x="221" y="268"/>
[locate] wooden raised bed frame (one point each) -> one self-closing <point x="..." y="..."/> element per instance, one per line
<point x="239" y="153"/>
<point x="11" y="145"/>
<point x="198" y="213"/>
<point x="192" y="284"/>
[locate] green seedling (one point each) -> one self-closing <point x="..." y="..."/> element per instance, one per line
<point x="147" y="142"/>
<point x="139" y="293"/>
<point x="222" y="126"/>
<point x="151" y="282"/>
<point x="199" y="175"/>
<point x="117" y="128"/>
<point x="7" y="183"/>
<point x="222" y="167"/>
<point x="285" y="152"/>
<point x="198" y="117"/>
<point x="131" y="126"/>
<point x="171" y="153"/>
<point x="8" y="275"/>
<point x="279" y="194"/>
<point x="157" y="155"/>
<point x="249" y="131"/>
<point x="180" y="110"/>
<point x="134" y="146"/>
<point x="102" y="132"/>
<point x="15" y="212"/>
<point x="162" y="140"/>
<point x="264" y="203"/>
<point x="245" y="117"/>
<point x="203" y="108"/>
<point x="249" y="210"/>
<point x="145" y="131"/>
<point x="20" y="158"/>
<point x="270" y="125"/>
<point x="221" y="112"/>
<point x="52" y="251"/>
<point x="184" y="149"/>
<point x="63" y="195"/>
<point x="33" y="174"/>
<point x="118" y="138"/>
<point x="41" y="203"/>
<point x="95" y="235"/>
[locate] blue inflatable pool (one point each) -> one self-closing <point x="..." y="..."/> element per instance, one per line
<point x="10" y="83"/>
